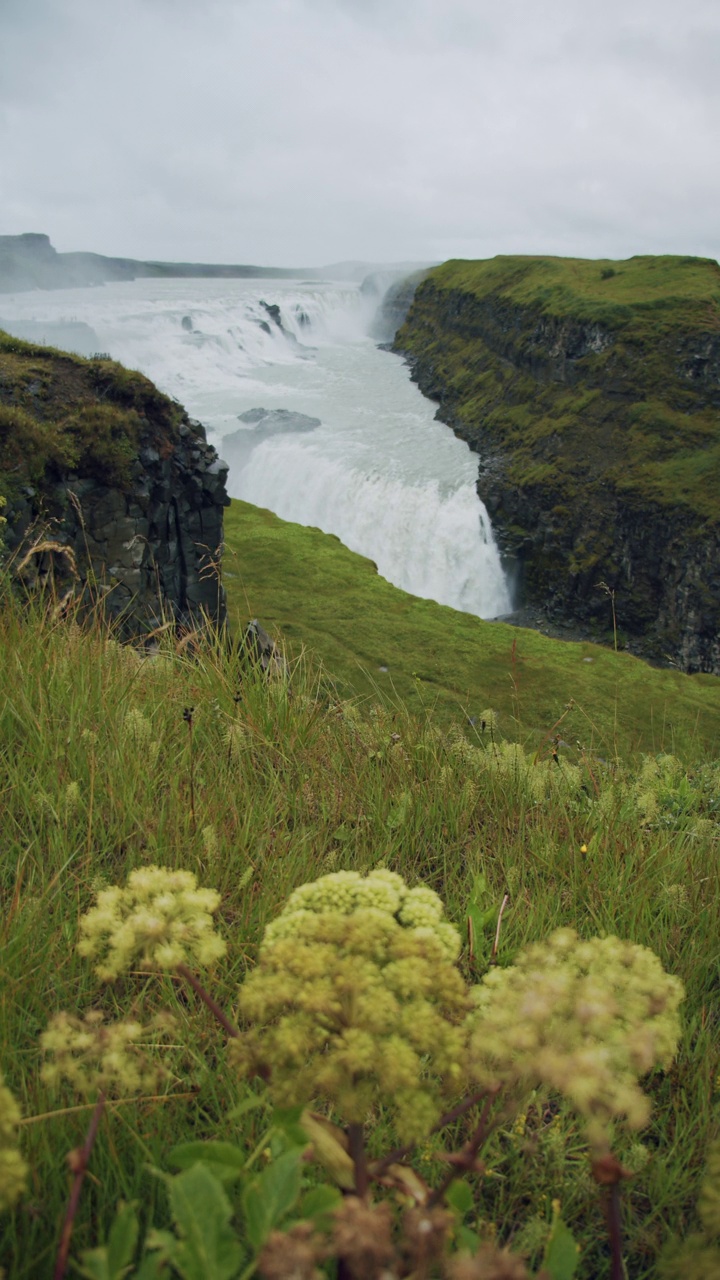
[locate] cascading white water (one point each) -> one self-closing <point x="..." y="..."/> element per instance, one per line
<point x="379" y="471"/>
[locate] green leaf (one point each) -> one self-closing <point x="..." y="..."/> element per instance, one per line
<point x="460" y="1198"/>
<point x="398" y="815"/>
<point x="288" y="1121"/>
<point x="329" y="1148"/>
<point x="152" y="1267"/>
<point x="208" y="1248"/>
<point x="561" y="1252"/>
<point x="224" y="1160"/>
<point x="271" y="1195"/>
<point x="112" y="1261"/>
<point x="248" y="1104"/>
<point x="258" y="1215"/>
<point x="319" y="1202"/>
<point x="479" y="913"/>
<point x="467" y="1239"/>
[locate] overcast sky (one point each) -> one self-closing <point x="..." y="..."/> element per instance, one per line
<point x="301" y="132"/>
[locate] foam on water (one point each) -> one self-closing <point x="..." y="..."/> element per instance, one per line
<point x="379" y="472"/>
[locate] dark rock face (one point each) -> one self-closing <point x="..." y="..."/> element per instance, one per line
<point x="584" y="429"/>
<point x="112" y="492"/>
<point x="665" y="581"/>
<point x="150" y="552"/>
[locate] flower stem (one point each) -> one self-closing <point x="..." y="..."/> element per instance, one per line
<point x="81" y="1160"/>
<point x="356" y="1143"/>
<point x="465" y="1159"/>
<point x="207" y="999"/>
<point x="612" y="1210"/>
<point x="378" y="1167"/>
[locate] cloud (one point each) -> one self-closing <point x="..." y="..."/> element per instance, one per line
<point x="302" y="131"/>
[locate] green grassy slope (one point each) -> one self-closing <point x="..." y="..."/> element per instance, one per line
<point x="314" y="591"/>
<point x="277" y="784"/>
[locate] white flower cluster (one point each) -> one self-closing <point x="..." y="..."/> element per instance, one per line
<point x="356" y="998"/>
<point x="347" y="892"/>
<point x="586" y="1018"/>
<point x="13" y="1169"/>
<point x="115" y="1058"/>
<point x="160" y="920"/>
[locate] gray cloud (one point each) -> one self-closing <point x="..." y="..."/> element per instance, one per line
<point x="302" y="131"/>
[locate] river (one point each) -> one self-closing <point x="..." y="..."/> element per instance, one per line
<point x="357" y="452"/>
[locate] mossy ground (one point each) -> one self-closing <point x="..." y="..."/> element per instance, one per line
<point x="314" y="592"/>
<point x="60" y="413"/>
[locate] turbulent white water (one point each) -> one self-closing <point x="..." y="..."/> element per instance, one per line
<point x="379" y="471"/>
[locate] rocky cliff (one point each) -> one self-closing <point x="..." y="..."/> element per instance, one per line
<point x="591" y="392"/>
<point x="110" y="488"/>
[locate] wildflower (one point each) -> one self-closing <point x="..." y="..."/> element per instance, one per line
<point x="425" y="1233"/>
<point x="488" y="1264"/>
<point x="292" y="1255"/>
<point x="356" y="998"/>
<point x="585" y="1018"/>
<point x="236" y="739"/>
<point x="362" y="1237"/>
<point x="159" y="921"/>
<point x="72" y="797"/>
<point x="93" y="1056"/>
<point x="677" y="895"/>
<point x="13" y="1169"/>
<point x="137" y="731"/>
<point x="209" y="838"/>
<point x="136" y="727"/>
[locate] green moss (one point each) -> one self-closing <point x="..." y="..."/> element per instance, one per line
<point x="624" y="407"/>
<point x="60" y="412"/>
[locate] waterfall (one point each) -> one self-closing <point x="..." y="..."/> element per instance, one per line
<point x="376" y="469"/>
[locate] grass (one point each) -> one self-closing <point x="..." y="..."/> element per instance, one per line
<point x="451" y="666"/>
<point x="60" y="413"/>
<point x="619" y="293"/>
<point x="288" y="782"/>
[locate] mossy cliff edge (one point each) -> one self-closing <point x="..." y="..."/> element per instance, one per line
<point x="97" y="462"/>
<point x="591" y="392"/>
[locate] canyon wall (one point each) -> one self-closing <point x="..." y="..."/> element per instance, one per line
<point x="591" y="392"/>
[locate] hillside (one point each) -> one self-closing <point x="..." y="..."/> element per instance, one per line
<point x="378" y="642"/>
<point x="490" y="764"/>
<point x="591" y="391"/>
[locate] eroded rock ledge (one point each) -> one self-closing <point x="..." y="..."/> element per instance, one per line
<point x="95" y="459"/>
<point x="591" y="392"/>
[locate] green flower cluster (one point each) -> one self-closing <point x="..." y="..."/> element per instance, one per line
<point x="509" y="763"/>
<point x="13" y="1169"/>
<point x="114" y="1058"/>
<point x="585" y="1018"/>
<point x="160" y="920"/>
<point x="356" y="998"/>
